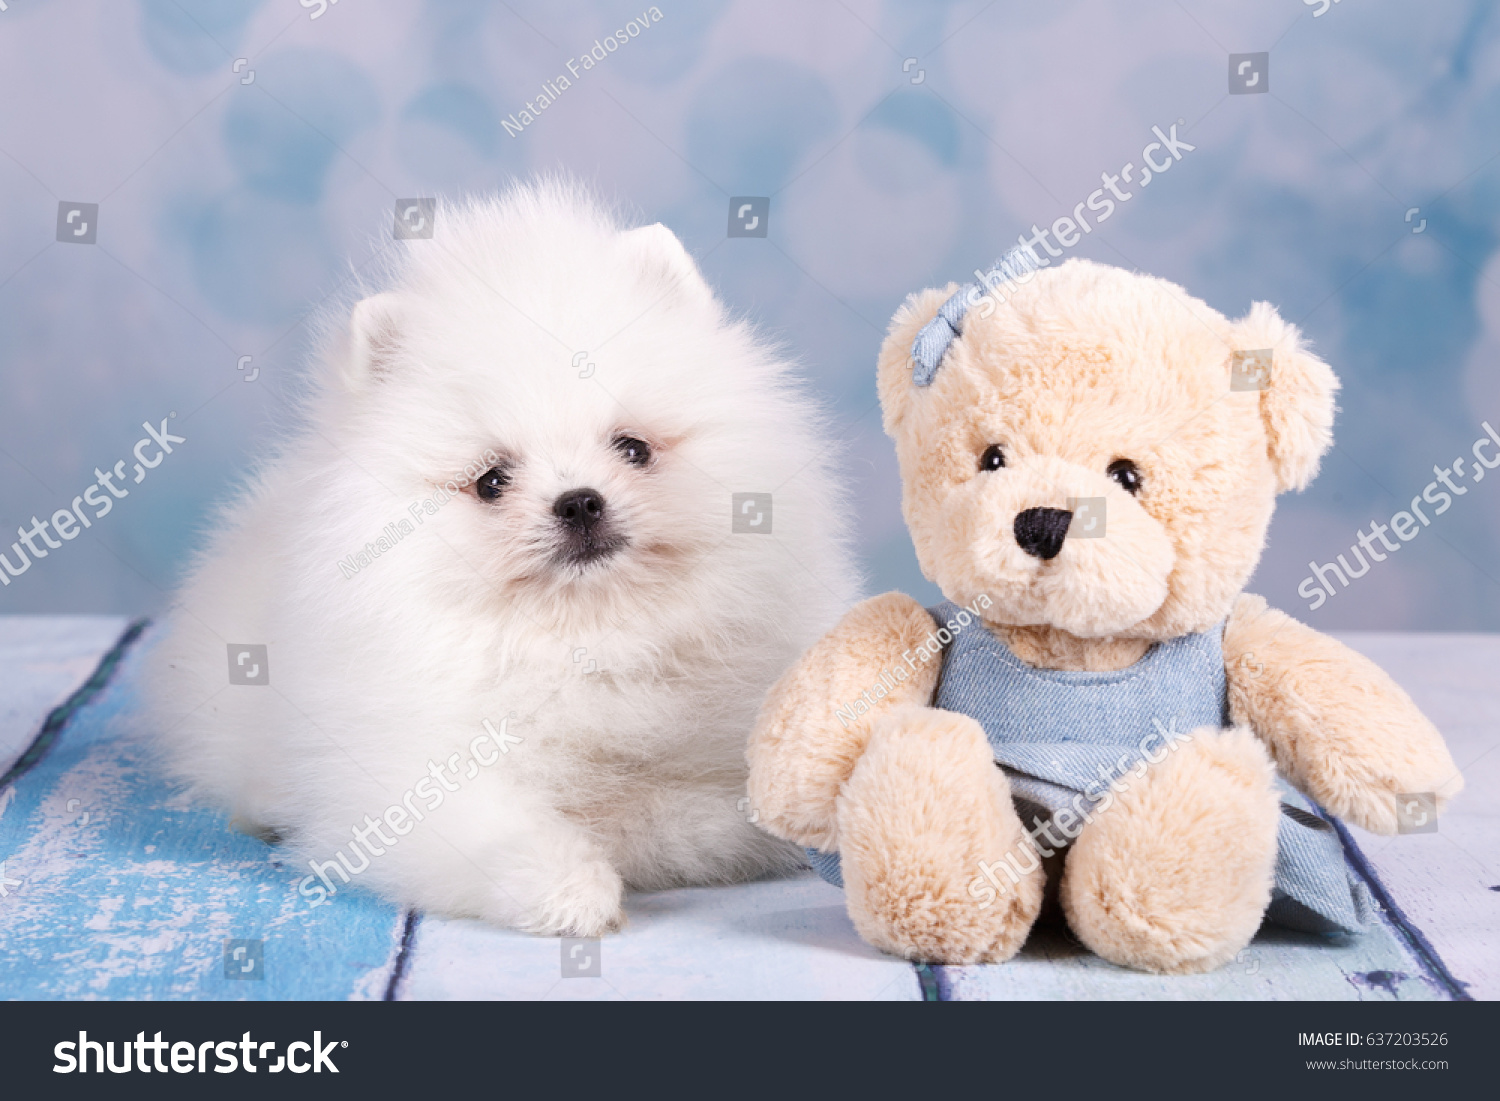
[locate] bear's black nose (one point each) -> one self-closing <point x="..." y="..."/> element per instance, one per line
<point x="1041" y="531"/>
<point x="579" y="509"/>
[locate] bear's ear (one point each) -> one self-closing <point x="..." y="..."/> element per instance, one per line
<point x="1297" y="406"/>
<point x="894" y="379"/>
<point x="372" y="344"/>
<point x="665" y="260"/>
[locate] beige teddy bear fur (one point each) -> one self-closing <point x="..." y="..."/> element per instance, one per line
<point x="1079" y="367"/>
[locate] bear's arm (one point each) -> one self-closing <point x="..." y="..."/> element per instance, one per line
<point x="801" y="751"/>
<point x="1337" y="725"/>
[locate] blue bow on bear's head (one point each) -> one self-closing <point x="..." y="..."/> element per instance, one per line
<point x="1017" y="266"/>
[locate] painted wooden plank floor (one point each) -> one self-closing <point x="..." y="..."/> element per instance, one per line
<point x="118" y="889"/>
<point x="44" y="658"/>
<point x="1279" y="965"/>
<point x="783" y="939"/>
<point x="126" y="891"/>
<point x="137" y="900"/>
<point x="1448" y="882"/>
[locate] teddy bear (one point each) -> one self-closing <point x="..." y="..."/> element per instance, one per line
<point x="1098" y="724"/>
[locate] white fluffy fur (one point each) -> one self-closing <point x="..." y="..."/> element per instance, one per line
<point x="630" y="775"/>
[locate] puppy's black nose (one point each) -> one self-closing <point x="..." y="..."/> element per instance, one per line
<point x="579" y="509"/>
<point x="1041" y="531"/>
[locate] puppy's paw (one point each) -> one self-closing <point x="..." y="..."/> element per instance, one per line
<point x="584" y="902"/>
<point x="251" y="827"/>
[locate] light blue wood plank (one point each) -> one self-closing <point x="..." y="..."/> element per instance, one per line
<point x="778" y="939"/>
<point x="1445" y="882"/>
<point x="128" y="891"/>
<point x="42" y="660"/>
<point x="1278" y="965"/>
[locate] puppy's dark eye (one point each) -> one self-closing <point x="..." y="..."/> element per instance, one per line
<point x="1127" y="475"/>
<point x="492" y="483"/>
<point x="993" y="458"/>
<point x="636" y="452"/>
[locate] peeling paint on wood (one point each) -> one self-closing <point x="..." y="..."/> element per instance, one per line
<point x="129" y="891"/>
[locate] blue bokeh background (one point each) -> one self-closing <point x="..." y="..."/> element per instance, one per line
<point x="230" y="210"/>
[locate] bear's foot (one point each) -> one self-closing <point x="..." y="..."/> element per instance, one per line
<point x="1175" y="875"/>
<point x="923" y="810"/>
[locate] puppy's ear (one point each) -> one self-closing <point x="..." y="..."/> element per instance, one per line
<point x="894" y="379"/>
<point x="664" y="259"/>
<point x="372" y="344"/>
<point x="1297" y="407"/>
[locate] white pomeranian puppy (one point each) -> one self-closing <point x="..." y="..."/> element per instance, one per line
<point x="497" y="621"/>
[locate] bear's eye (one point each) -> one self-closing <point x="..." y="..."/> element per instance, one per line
<point x="993" y="458"/>
<point x="636" y="452"/>
<point x="492" y="483"/>
<point x="1127" y="475"/>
